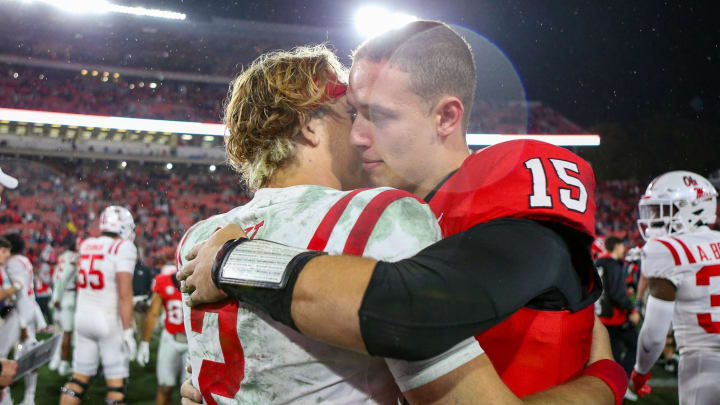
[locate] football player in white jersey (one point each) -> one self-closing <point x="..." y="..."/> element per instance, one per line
<point x="63" y="302"/>
<point x="29" y="314"/>
<point x="681" y="260"/>
<point x="172" y="351"/>
<point x="289" y="129"/>
<point x="9" y="326"/>
<point x="104" y="308"/>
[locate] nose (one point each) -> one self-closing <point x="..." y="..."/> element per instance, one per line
<point x="360" y="135"/>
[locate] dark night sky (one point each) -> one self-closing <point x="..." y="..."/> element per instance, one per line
<point x="592" y="60"/>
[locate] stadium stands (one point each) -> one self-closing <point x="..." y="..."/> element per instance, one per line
<point x="62" y="199"/>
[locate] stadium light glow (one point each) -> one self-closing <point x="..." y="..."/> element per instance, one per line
<point x="215" y="129"/>
<point x="212" y="168"/>
<point x="559" y="140"/>
<point x="373" y="20"/>
<point x="169" y="166"/>
<point x="104" y="6"/>
<point x="129" y="124"/>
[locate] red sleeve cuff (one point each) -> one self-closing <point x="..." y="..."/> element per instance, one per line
<point x="612" y="374"/>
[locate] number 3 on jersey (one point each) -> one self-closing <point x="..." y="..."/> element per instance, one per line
<point x="539" y="198"/>
<point x="703" y="278"/>
<point x="217" y="378"/>
<point x="88" y="274"/>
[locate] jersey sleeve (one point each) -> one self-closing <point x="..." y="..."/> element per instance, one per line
<point x="126" y="257"/>
<point x="17" y="271"/>
<point x="413" y="374"/>
<point x="197" y="233"/>
<point x="658" y="262"/>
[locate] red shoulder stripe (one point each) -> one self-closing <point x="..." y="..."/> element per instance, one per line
<point x="112" y="245"/>
<point x="674" y="252"/>
<point x="360" y="234"/>
<point x="323" y="231"/>
<point x="117" y="248"/>
<point x="690" y="256"/>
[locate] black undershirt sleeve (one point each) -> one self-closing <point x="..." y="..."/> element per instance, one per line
<point x="464" y="284"/>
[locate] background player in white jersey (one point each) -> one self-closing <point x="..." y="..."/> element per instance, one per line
<point x="63" y="302"/>
<point x="30" y="317"/>
<point x="104" y="308"/>
<point x="682" y="263"/>
<point x="172" y="351"/>
<point x="9" y="327"/>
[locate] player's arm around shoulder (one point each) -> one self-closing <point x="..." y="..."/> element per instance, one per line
<point x="405" y="227"/>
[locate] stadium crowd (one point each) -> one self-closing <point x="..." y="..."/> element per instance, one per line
<point x="55" y="205"/>
<point x="103" y="94"/>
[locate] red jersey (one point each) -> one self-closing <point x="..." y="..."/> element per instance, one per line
<point x="164" y="285"/>
<point x="539" y="181"/>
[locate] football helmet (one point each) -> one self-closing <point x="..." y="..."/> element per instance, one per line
<point x="119" y="220"/>
<point x="676" y="202"/>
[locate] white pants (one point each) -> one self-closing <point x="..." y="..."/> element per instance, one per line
<point x="699" y="377"/>
<point x="30" y="379"/>
<point x="9" y="333"/>
<point x="99" y="338"/>
<point x="67" y="312"/>
<point x="171" y="362"/>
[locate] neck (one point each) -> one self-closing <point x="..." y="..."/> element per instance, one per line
<point x="450" y="158"/>
<point x="306" y="169"/>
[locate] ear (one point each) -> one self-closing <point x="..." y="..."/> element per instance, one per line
<point x="449" y="114"/>
<point x="309" y="133"/>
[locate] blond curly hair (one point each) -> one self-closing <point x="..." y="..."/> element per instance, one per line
<point x="268" y="104"/>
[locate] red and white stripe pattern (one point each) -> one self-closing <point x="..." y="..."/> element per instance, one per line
<point x="681" y="253"/>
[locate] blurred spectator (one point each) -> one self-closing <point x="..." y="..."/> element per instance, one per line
<point x="614" y="308"/>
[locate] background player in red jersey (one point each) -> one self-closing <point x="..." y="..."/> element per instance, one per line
<point x="409" y="107"/>
<point x="172" y="350"/>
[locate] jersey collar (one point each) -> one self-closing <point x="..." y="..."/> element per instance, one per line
<point x="439" y="186"/>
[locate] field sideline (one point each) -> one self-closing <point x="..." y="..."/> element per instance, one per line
<point x="143" y="385"/>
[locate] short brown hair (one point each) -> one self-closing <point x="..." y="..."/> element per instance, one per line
<point x="611" y="242"/>
<point x="4" y="243"/>
<point x="437" y="58"/>
<point x="268" y="104"/>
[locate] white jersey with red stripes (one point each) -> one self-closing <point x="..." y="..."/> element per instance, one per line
<point x="692" y="263"/>
<point x="99" y="262"/>
<point x="260" y="361"/>
<point x="19" y="268"/>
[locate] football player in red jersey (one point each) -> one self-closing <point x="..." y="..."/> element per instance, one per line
<point x="505" y="211"/>
<point x="173" y="342"/>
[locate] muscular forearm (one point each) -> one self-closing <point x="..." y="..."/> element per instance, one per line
<point x="150" y="322"/>
<point x="125" y="299"/>
<point x="151" y="317"/>
<point x="126" y="311"/>
<point x="584" y="390"/>
<point x="329" y="291"/>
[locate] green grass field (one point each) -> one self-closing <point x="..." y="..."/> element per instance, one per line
<point x="143" y="386"/>
<point x="141" y="390"/>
